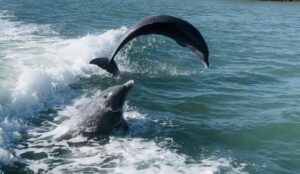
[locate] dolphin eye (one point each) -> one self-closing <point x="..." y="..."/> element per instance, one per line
<point x="105" y="96"/>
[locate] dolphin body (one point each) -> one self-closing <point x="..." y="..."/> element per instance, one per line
<point x="107" y="117"/>
<point x="184" y="33"/>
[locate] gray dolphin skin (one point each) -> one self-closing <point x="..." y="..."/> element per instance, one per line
<point x="184" y="33"/>
<point x="106" y="117"/>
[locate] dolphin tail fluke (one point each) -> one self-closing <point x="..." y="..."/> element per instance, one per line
<point x="107" y="64"/>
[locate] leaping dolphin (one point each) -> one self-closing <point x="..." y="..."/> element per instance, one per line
<point x="184" y="33"/>
<point x="106" y="117"/>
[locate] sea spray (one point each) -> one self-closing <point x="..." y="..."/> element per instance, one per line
<point x="43" y="66"/>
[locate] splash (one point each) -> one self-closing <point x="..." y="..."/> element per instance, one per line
<point x="122" y="154"/>
<point x="37" y="67"/>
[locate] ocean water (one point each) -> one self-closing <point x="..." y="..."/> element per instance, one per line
<point x="242" y="115"/>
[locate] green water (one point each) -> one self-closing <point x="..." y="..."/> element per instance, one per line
<point x="242" y="115"/>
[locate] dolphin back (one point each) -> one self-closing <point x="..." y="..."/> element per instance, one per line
<point x="184" y="33"/>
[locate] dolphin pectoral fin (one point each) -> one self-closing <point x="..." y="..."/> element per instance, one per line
<point x="106" y="64"/>
<point x="123" y="126"/>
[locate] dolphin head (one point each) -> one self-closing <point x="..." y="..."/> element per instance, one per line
<point x="101" y="121"/>
<point x="114" y="97"/>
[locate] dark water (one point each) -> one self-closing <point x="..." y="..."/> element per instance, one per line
<point x="239" y="116"/>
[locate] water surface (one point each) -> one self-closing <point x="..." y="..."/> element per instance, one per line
<point x="239" y="116"/>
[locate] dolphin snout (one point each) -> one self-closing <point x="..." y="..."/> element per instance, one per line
<point x="129" y="84"/>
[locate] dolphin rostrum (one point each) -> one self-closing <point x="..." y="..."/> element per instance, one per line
<point x="107" y="115"/>
<point x="184" y="33"/>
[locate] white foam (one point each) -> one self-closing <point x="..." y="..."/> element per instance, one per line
<point x="130" y="155"/>
<point x="122" y="154"/>
<point x="6" y="157"/>
<point x="8" y="130"/>
<point x="41" y="66"/>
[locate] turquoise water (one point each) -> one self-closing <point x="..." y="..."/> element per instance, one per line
<point x="239" y="116"/>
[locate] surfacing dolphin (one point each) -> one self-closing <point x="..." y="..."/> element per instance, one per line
<point x="184" y="33"/>
<point x="108" y="115"/>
